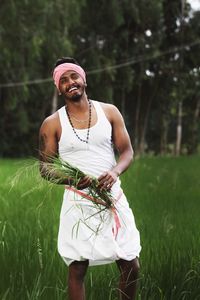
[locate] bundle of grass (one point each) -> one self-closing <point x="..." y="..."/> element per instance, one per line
<point x="56" y="170"/>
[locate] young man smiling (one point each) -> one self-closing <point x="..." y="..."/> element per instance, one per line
<point x="83" y="133"/>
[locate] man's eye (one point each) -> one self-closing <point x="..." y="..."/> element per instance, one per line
<point x="75" y="76"/>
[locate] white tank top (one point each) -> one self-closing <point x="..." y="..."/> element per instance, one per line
<point x="95" y="157"/>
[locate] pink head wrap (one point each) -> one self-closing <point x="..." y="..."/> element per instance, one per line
<point x="62" y="68"/>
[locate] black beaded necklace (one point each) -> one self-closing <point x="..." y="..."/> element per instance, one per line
<point x="89" y="123"/>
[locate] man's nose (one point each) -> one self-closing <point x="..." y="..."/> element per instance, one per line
<point x="71" y="80"/>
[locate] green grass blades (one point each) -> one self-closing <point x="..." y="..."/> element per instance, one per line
<point x="56" y="170"/>
<point x="164" y="194"/>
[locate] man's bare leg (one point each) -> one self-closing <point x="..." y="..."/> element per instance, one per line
<point x="128" y="279"/>
<point x="76" y="288"/>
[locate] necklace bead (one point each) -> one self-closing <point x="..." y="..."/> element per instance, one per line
<point x="89" y="124"/>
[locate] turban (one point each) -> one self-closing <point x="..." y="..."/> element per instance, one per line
<point x="62" y="68"/>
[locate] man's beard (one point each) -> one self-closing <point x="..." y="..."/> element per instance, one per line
<point x="75" y="98"/>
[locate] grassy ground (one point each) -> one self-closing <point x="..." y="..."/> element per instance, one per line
<point x="165" y="196"/>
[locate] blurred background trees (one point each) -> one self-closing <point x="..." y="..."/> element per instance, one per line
<point x="142" y="56"/>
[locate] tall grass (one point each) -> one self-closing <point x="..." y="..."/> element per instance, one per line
<point x="165" y="196"/>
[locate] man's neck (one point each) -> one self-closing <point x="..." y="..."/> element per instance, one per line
<point x="77" y="105"/>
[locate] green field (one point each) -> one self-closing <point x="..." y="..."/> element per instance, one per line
<point x="165" y="196"/>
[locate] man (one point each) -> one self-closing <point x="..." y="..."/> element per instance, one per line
<point x="83" y="133"/>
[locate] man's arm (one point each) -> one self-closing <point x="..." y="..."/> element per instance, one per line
<point x="48" y="149"/>
<point x="122" y="143"/>
<point x="48" y="146"/>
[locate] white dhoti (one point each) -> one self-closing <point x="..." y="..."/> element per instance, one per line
<point x="85" y="233"/>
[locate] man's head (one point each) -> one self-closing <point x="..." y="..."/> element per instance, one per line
<point x="69" y="78"/>
<point x="63" y="60"/>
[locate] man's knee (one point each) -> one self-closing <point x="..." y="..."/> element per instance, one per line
<point x="78" y="269"/>
<point x="135" y="265"/>
<point x="131" y="266"/>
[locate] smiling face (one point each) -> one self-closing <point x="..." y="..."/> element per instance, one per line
<point x="72" y="85"/>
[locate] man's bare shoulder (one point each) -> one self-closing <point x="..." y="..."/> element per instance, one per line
<point x="51" y="121"/>
<point x="110" y="110"/>
<point x="108" y="106"/>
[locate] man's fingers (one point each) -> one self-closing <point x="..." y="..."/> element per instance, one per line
<point x="85" y="182"/>
<point x="103" y="176"/>
<point x="106" y="180"/>
<point x="106" y="183"/>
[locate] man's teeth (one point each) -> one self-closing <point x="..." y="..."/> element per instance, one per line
<point x="72" y="89"/>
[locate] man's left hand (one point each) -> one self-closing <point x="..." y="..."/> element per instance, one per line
<point x="107" y="179"/>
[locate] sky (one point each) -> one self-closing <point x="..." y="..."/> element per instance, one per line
<point x="195" y="4"/>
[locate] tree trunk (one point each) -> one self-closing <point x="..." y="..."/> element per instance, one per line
<point x="164" y="135"/>
<point x="54" y="103"/>
<point x="193" y="143"/>
<point x="146" y="119"/>
<point x="137" y="114"/>
<point x="123" y="102"/>
<point x="179" y="130"/>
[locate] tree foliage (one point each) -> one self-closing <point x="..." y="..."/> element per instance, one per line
<point x="142" y="56"/>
